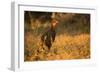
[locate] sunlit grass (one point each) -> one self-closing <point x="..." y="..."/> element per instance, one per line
<point x="65" y="47"/>
<point x="72" y="39"/>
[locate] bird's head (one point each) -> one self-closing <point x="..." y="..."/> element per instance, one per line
<point x="54" y="23"/>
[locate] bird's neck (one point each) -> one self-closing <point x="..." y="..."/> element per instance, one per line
<point x="52" y="28"/>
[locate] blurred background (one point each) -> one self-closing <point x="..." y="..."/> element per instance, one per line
<point x="72" y="39"/>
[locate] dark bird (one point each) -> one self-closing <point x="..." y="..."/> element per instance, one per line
<point x="49" y="36"/>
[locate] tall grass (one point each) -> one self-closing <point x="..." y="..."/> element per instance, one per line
<point x="72" y="40"/>
<point x="64" y="47"/>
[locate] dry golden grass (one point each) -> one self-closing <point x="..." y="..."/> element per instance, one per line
<point x="65" y="47"/>
<point x="72" y="37"/>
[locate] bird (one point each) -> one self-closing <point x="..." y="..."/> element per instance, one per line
<point x="48" y="37"/>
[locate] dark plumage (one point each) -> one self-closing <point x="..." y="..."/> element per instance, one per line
<point x="48" y="37"/>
